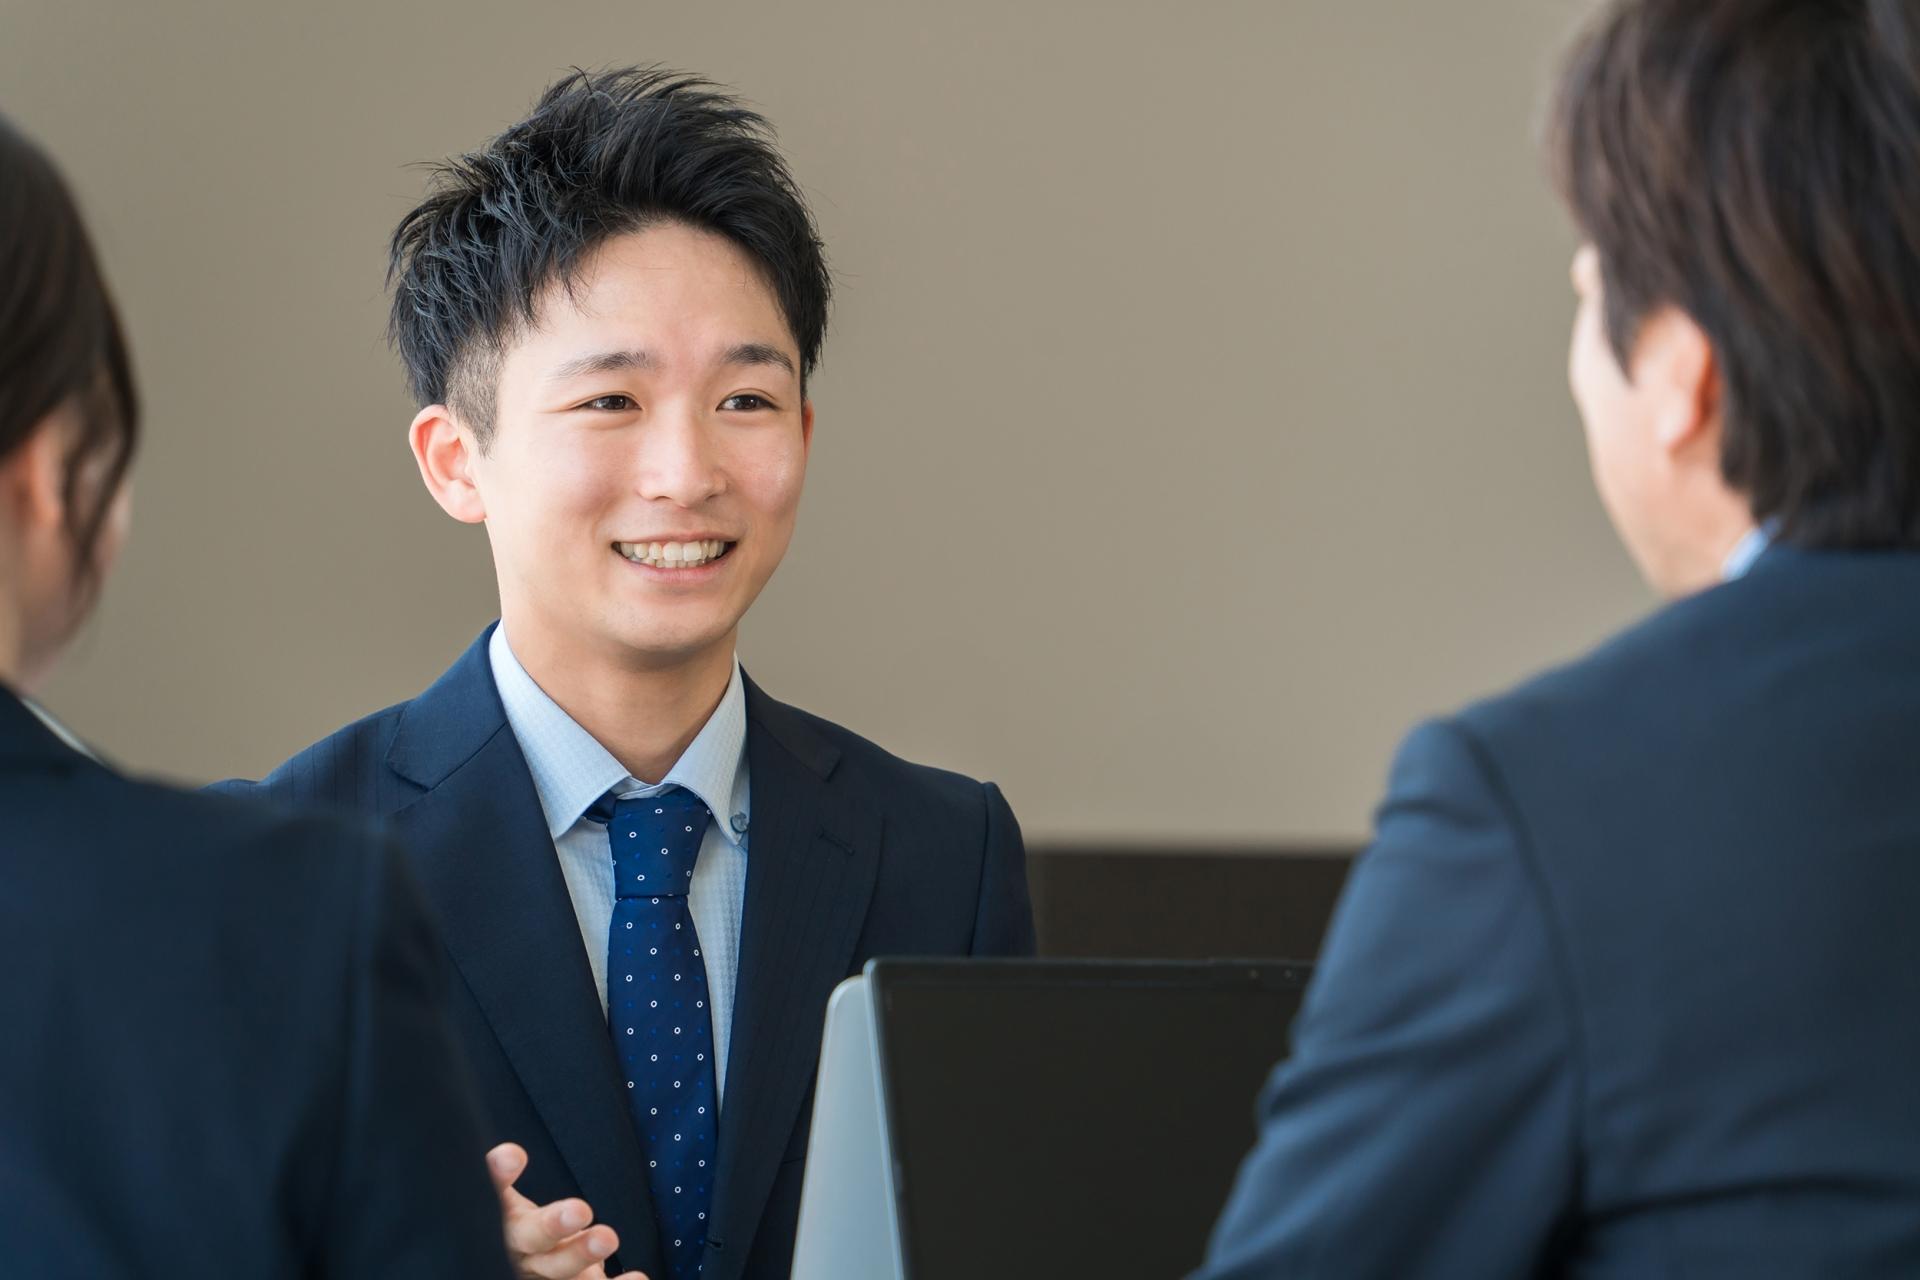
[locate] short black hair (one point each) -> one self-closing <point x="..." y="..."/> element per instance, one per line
<point x="602" y="153"/>
<point x="61" y="343"/>
<point x="1756" y="164"/>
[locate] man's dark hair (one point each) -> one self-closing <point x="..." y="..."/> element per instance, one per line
<point x="1756" y="164"/>
<point x="61" y="345"/>
<point x="602" y="154"/>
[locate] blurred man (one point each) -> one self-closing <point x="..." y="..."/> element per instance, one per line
<point x="650" y="873"/>
<point x="226" y="1048"/>
<point x="1629" y="982"/>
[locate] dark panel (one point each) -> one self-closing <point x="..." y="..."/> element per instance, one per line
<point x="1184" y="904"/>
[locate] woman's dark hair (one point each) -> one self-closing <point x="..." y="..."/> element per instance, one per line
<point x="601" y="154"/>
<point x="1756" y="164"/>
<point x="61" y="343"/>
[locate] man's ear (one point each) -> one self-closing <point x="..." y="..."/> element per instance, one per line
<point x="1675" y="368"/>
<point x="444" y="451"/>
<point x="806" y="425"/>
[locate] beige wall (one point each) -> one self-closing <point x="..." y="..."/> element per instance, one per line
<point x="1193" y="416"/>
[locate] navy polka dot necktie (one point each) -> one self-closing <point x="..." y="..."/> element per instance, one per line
<point x="658" y="1013"/>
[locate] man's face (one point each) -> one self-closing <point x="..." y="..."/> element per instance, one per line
<point x="649" y="446"/>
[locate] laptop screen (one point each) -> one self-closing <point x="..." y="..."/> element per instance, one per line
<point x="1053" y="1119"/>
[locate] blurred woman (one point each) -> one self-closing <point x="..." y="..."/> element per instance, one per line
<point x="224" y="1049"/>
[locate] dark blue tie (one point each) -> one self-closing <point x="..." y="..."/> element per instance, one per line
<point x="657" y="1010"/>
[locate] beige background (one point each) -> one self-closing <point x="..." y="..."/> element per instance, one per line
<point x="1193" y="416"/>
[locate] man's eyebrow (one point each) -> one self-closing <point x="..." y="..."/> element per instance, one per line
<point x="605" y="362"/>
<point x="758" y="353"/>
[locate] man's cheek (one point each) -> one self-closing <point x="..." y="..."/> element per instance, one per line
<point x="779" y="487"/>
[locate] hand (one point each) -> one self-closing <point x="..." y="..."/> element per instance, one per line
<point x="549" y="1242"/>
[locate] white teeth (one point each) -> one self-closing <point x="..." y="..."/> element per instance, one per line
<point x="671" y="555"/>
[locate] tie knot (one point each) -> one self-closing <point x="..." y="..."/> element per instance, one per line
<point x="655" y="841"/>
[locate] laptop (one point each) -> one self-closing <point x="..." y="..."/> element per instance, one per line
<point x="1035" y="1118"/>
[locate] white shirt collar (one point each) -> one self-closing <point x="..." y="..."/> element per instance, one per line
<point x="571" y="770"/>
<point x="58" y="730"/>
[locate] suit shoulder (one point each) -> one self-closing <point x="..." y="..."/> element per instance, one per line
<point x="1707" y="672"/>
<point x="230" y="836"/>
<point x="1674" y="653"/>
<point x="876" y="767"/>
<point x="344" y="770"/>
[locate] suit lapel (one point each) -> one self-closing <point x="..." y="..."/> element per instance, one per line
<point x="480" y="847"/>
<point x="811" y="862"/>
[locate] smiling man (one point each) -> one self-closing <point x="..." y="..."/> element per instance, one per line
<point x="650" y="874"/>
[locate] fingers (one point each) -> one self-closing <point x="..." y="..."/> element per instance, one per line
<point x="558" y="1241"/>
<point x="575" y="1257"/>
<point x="505" y="1163"/>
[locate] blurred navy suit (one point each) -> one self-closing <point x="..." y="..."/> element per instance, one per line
<point x="1629" y="983"/>
<point x="225" y="1051"/>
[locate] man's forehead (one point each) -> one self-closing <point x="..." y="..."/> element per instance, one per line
<point x="648" y="360"/>
<point x="665" y="257"/>
<point x="570" y="341"/>
<point x="659" y="308"/>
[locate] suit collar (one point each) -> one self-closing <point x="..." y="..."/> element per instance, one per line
<point x="789" y="728"/>
<point x="443" y="727"/>
<point x="1779" y="554"/>
<point x="447" y="725"/>
<point x="29" y="736"/>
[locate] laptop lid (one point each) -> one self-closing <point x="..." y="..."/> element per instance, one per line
<point x="1060" y="1118"/>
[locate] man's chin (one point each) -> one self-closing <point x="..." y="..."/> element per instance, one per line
<point x="655" y="650"/>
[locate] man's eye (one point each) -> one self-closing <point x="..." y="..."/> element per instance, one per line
<point x="611" y="404"/>
<point x="746" y="402"/>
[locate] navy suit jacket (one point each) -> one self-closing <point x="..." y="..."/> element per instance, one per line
<point x="225" y="1049"/>
<point x="1629" y="982"/>
<point x="854" y="854"/>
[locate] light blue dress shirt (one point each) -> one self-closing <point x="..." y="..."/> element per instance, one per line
<point x="1745" y="552"/>
<point x="571" y="770"/>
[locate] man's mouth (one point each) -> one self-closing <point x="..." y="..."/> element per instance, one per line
<point x="674" y="555"/>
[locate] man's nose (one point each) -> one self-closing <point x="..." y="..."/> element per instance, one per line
<point x="677" y="460"/>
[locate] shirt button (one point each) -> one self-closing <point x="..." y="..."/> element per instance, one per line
<point x="740" y="824"/>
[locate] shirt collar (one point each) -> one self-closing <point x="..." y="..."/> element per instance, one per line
<point x="571" y="770"/>
<point x="1745" y="552"/>
<point x="58" y="730"/>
